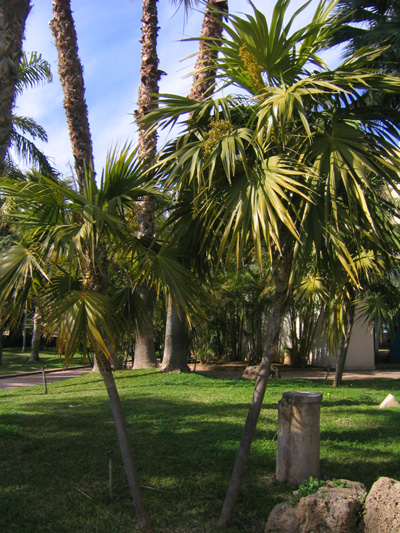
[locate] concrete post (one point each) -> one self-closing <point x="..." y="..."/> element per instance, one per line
<point x="298" y="437"/>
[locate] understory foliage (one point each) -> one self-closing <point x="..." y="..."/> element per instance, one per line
<point x="76" y="255"/>
<point x="237" y="308"/>
<point x="298" y="164"/>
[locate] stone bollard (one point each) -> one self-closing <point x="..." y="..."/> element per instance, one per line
<point x="298" y="437"/>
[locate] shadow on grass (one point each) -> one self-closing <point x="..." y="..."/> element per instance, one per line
<point x="55" y="454"/>
<point x="185" y="431"/>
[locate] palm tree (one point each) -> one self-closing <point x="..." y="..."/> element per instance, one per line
<point x="71" y="76"/>
<point x="205" y="69"/>
<point x="147" y="140"/>
<point x="370" y="24"/>
<point x="286" y="167"/>
<point x="78" y="253"/>
<point x="13" y="16"/>
<point x="204" y="79"/>
<point x="33" y="70"/>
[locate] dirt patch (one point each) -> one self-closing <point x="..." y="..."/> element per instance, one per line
<point x="235" y="371"/>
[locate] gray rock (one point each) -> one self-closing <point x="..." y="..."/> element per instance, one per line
<point x="329" y="510"/>
<point x="382" y="507"/>
<point x="251" y="372"/>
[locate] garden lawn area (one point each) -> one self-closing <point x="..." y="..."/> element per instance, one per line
<point x="15" y="362"/>
<point x="185" y="430"/>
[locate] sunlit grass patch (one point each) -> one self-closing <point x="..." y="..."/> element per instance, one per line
<point x="185" y="431"/>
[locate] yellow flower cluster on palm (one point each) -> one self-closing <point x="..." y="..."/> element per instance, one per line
<point x="218" y="130"/>
<point x="252" y="68"/>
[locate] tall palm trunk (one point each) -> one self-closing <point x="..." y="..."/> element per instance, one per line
<point x="71" y="76"/>
<point x="176" y="346"/>
<point x="270" y="351"/>
<point x="35" y="346"/>
<point x="13" y="15"/>
<point x="145" y="356"/>
<point x="203" y="86"/>
<point x="205" y="69"/>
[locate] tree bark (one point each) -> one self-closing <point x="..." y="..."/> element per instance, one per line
<point x="124" y="444"/>
<point x="13" y="14"/>
<point x="147" y="145"/>
<point x="344" y="346"/>
<point x="145" y="355"/>
<point x="203" y="86"/>
<point x="270" y="351"/>
<point x="35" y="346"/>
<point x="176" y="348"/>
<point x="71" y="76"/>
<point x="205" y="69"/>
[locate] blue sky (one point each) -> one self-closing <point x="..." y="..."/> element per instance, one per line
<point x="108" y="40"/>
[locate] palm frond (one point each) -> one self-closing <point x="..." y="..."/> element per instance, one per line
<point x="32" y="71"/>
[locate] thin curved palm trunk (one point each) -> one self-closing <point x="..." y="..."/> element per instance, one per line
<point x="124" y="444"/>
<point x="145" y="356"/>
<point x="270" y="351"/>
<point x="71" y="76"/>
<point x="13" y="14"/>
<point x="97" y="280"/>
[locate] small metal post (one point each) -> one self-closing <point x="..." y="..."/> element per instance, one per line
<point x="110" y="456"/>
<point x="44" y="379"/>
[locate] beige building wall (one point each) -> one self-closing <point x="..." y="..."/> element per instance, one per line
<point x="360" y="356"/>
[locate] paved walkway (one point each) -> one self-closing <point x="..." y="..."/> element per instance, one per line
<point x="36" y="378"/>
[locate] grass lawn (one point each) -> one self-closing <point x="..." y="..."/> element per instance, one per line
<point x="14" y="361"/>
<point x="185" y="431"/>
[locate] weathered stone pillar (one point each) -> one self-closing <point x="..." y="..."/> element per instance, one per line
<point x="298" y="436"/>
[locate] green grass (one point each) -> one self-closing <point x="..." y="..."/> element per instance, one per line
<point x="185" y="431"/>
<point x="15" y="362"/>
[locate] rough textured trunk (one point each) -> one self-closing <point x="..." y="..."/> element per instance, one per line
<point x="203" y="86"/>
<point x="124" y="444"/>
<point x="71" y="76"/>
<point x="269" y="353"/>
<point x="1" y="346"/>
<point x="13" y="15"/>
<point x="176" y="347"/>
<point x="211" y="33"/>
<point x="145" y="356"/>
<point x="344" y="347"/>
<point x="35" y="346"/>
